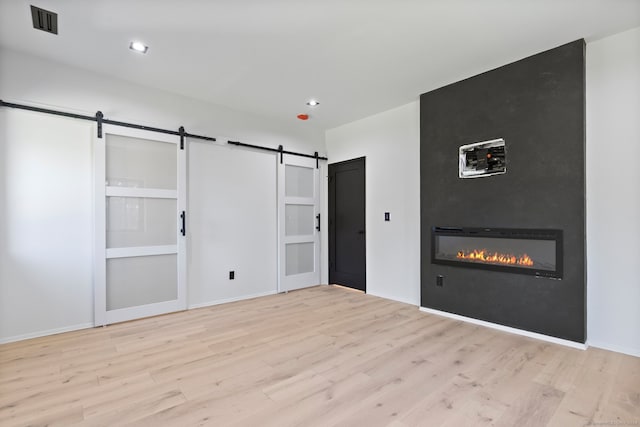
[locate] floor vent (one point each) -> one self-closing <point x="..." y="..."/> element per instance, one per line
<point x="44" y="20"/>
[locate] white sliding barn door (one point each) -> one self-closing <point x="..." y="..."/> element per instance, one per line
<point x="298" y="223"/>
<point x="140" y="225"/>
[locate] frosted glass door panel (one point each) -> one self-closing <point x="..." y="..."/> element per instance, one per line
<point x="137" y="221"/>
<point x="298" y="181"/>
<point x="300" y="258"/>
<point x="140" y="163"/>
<point x="298" y="216"/>
<point x="140" y="254"/>
<point x="141" y="280"/>
<point x="299" y="220"/>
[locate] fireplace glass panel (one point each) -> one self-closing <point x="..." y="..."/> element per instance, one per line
<point x="536" y="252"/>
<point x="532" y="254"/>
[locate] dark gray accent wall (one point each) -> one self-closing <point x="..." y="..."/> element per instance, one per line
<point x="538" y="106"/>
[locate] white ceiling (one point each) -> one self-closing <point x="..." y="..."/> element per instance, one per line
<point x="357" y="57"/>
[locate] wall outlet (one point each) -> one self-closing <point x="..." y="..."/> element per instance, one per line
<point x="232" y="275"/>
<point x="387" y="216"/>
<point x="440" y="280"/>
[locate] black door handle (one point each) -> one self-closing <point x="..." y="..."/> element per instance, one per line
<point x="361" y="232"/>
<point x="183" y="230"/>
<point x="318" y="223"/>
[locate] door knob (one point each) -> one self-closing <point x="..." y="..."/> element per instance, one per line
<point x="361" y="232"/>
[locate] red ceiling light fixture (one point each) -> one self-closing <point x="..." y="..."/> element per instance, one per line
<point x="303" y="116"/>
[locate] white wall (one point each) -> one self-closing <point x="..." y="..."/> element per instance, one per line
<point x="46" y="198"/>
<point x="46" y="228"/>
<point x="390" y="141"/>
<point x="613" y="192"/>
<point x="237" y="206"/>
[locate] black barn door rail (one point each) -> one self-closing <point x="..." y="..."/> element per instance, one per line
<point x="100" y="120"/>
<point x="45" y="110"/>
<point x="279" y="150"/>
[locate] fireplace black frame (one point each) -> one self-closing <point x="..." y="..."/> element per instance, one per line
<point x="503" y="233"/>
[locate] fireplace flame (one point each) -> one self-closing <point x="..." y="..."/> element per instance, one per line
<point x="484" y="255"/>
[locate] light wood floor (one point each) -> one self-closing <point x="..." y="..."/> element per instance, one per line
<point x="317" y="357"/>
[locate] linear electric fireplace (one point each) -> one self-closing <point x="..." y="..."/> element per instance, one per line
<point x="525" y="251"/>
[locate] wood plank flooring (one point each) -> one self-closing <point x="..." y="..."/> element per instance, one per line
<point x="324" y="356"/>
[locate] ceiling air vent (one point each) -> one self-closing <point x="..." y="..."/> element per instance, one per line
<point x="44" y="20"/>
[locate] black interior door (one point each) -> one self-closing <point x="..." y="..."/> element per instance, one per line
<point x="347" y="231"/>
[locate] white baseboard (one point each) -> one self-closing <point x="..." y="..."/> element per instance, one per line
<point x="613" y="347"/>
<point x="226" y="300"/>
<point x="402" y="300"/>
<point x="508" y="329"/>
<point x="45" y="333"/>
<point x="71" y="328"/>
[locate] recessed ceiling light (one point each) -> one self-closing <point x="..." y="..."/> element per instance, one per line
<point x="138" y="47"/>
<point x="312" y="103"/>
